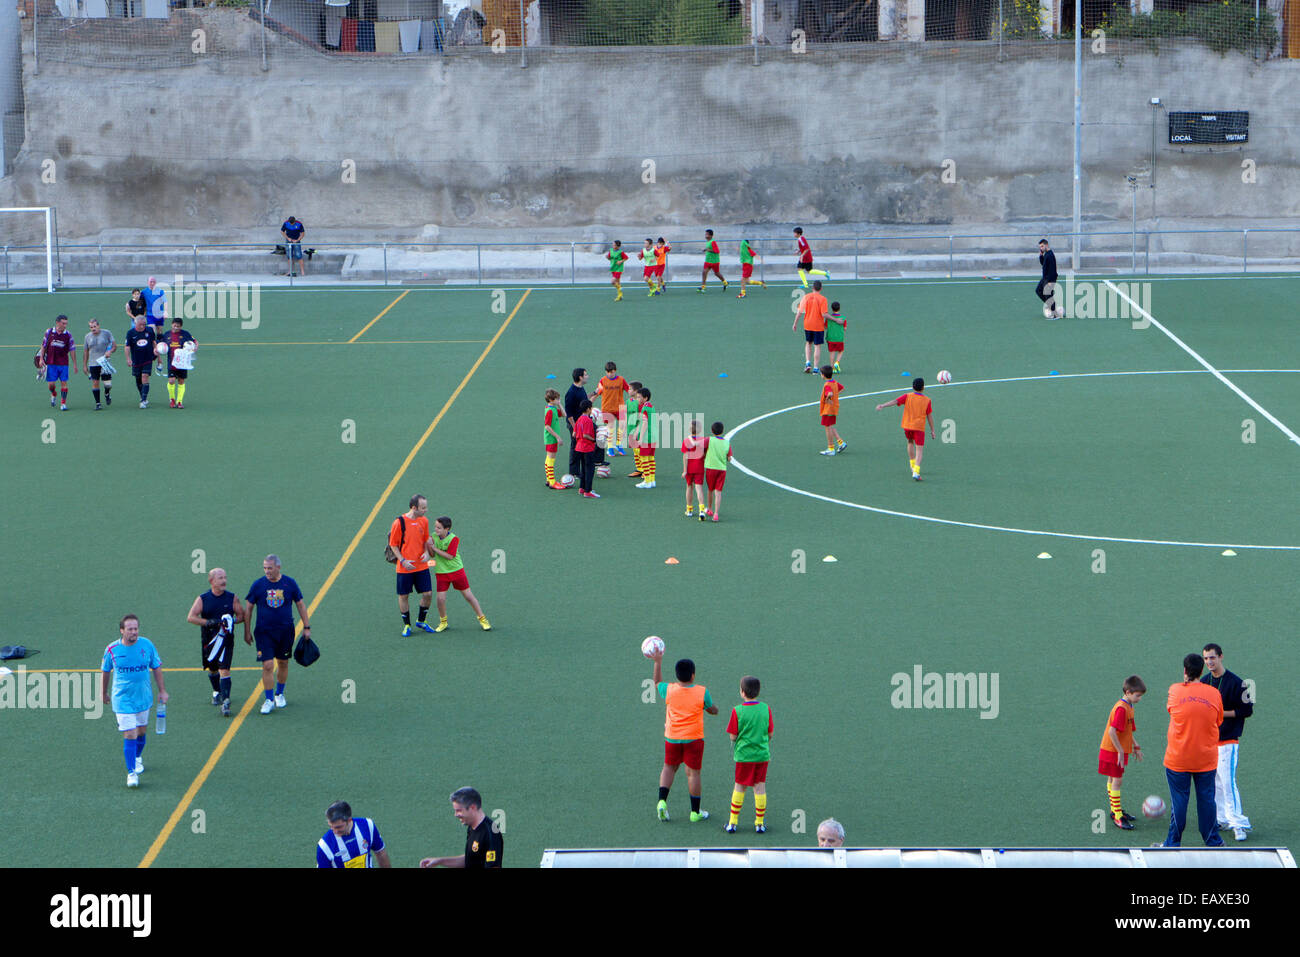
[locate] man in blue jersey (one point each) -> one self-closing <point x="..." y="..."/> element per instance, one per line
<point x="129" y="660"/>
<point x="292" y="229"/>
<point x="350" y="842"/>
<point x="273" y="597"/>
<point x="140" y="345"/>
<point x="155" y="308"/>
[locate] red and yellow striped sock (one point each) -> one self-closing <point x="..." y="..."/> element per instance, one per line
<point x="1113" y="793"/>
<point x="760" y="808"/>
<point x="550" y="470"/>
<point x="648" y="468"/>
<point x="636" y="458"/>
<point x="737" y="802"/>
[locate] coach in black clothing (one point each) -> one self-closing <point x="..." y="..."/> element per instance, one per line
<point x="483" y="842"/>
<point x="572" y="409"/>
<point x="1237" y="707"/>
<point x="1046" y="290"/>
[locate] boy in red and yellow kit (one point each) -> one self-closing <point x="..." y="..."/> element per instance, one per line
<point x="554" y="418"/>
<point x="633" y="417"/>
<point x="693" y="466"/>
<point x="647" y="257"/>
<point x="685" y="703"/>
<point x="612" y="388"/>
<point x="830" y="409"/>
<point x="1117" y="744"/>
<point x="662" y="249"/>
<point x="646" y="438"/>
<point x="916" y="413"/>
<point x="750" y="729"/>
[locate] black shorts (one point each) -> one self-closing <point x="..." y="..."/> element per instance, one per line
<point x="805" y="266"/>
<point x="218" y="652"/>
<point x="146" y="369"/>
<point x="98" y="375"/>
<point x="277" y="645"/>
<point x="816" y="338"/>
<point x="417" y="581"/>
<point x="178" y="374"/>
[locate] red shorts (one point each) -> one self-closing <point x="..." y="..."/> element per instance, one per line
<point x="715" y="479"/>
<point x="1107" y="765"/>
<point x="659" y="271"/>
<point x="715" y="267"/>
<point x="835" y="346"/>
<point x="750" y="773"/>
<point x="915" y="435"/>
<point x="695" y="478"/>
<point x="616" y="277"/>
<point x="448" y="579"/>
<point x="691" y="753"/>
<point x="746" y="270"/>
<point x="828" y="420"/>
<point x="647" y="272"/>
<point x="646" y="451"/>
<point x="552" y="448"/>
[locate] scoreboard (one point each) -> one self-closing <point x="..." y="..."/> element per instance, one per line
<point x="1207" y="127"/>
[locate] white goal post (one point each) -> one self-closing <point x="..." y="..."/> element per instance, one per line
<point x="49" y="236"/>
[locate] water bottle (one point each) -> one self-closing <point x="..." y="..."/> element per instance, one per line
<point x="161" y="727"/>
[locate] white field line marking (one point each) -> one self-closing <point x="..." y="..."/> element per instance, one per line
<point x="994" y="528"/>
<point x="1209" y="368"/>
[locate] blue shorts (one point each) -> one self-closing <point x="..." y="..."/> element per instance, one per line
<point x="56" y="373"/>
<point x="278" y="645"/>
<point x="414" y="581"/>
<point x="295" y="250"/>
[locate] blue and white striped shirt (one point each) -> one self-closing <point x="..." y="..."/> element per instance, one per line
<point x="354" y="850"/>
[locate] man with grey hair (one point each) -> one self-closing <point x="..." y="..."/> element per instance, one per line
<point x="273" y="597"/>
<point x="483" y="842"/>
<point x="215" y="612"/>
<point x="830" y="833"/>
<point x="100" y="344"/>
<point x="350" y="842"/>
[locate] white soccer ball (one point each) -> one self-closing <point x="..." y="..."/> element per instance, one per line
<point x="603" y="471"/>
<point x="1048" y="311"/>
<point x="161" y="349"/>
<point x="1154" y="806"/>
<point x="567" y="480"/>
<point x="944" y="377"/>
<point x="654" y="645"/>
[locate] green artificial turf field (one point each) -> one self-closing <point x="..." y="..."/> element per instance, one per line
<point x="1105" y="446"/>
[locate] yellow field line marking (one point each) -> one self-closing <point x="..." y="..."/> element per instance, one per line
<point x="198" y="782"/>
<point x="380" y="316"/>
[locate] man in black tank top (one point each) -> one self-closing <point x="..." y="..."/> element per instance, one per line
<point x="215" y="612"/>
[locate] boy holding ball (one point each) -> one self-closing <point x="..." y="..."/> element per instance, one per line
<point x="685" y="703"/>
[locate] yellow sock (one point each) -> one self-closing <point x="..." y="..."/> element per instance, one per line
<point x="803" y="277"/>
<point x="180" y="393"/>
<point x="760" y="807"/>
<point x="648" y="469"/>
<point x="636" y="459"/>
<point x="550" y="470"/>
<point x="171" y="391"/>
<point x="913" y="461"/>
<point x="737" y="802"/>
<point x="819" y="272"/>
<point x="1114" y="800"/>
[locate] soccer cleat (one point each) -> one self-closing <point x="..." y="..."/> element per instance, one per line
<point x="828" y="451"/>
<point x="1239" y="833"/>
<point x="280" y="702"/>
<point x="730" y="829"/>
<point x="740" y="295"/>
<point x="1120" y="823"/>
<point x="424" y="626"/>
<point x="225" y="707"/>
<point x="715" y="516"/>
<point x="1126" y="815"/>
<point x="63" y="407"/>
<point x="108" y="397"/>
<point x="442" y="625"/>
<point x="836" y="367"/>
<point x="171" y="403"/>
<point x="144" y="404"/>
<point x="268" y="706"/>
<point x="725" y="284"/>
<point x="704" y="515"/>
<point x="701" y="289"/>
<point x="139" y="765"/>
<point x="645" y="485"/>
<point x="807" y="367"/>
<point x="216" y="698"/>
<point x="133" y="780"/>
<point x="180" y="405"/>
<point x="98" y="406"/>
<point x="841" y="446"/>
<point x="689" y="511"/>
<point x="406" y="631"/>
<point x="51" y="402"/>
<point x="760" y="828"/>
<point x="662" y="810"/>
<point x="635" y="475"/>
<point x="591" y="495"/>
<point x="484" y="623"/>
<point x="697" y="816"/>
<point x="916" y="476"/>
<point x="557" y="487"/>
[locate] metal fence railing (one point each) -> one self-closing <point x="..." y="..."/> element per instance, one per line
<point x="899" y="256"/>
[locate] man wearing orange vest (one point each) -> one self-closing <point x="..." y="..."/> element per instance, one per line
<point x="1192" y="753"/>
<point x="685" y="703"/>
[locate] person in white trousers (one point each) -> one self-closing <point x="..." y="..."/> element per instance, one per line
<point x="1238" y="705"/>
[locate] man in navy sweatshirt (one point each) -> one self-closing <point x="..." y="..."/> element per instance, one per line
<point x="1237" y="707"/>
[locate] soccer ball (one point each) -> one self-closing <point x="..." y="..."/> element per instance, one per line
<point x="602" y="471"/>
<point x="1153" y="806"/>
<point x="944" y="377"/>
<point x="654" y="645"/>
<point x="161" y="349"/>
<point x="567" y="480"/>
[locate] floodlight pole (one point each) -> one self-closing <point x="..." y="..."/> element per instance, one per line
<point x="1078" y="131"/>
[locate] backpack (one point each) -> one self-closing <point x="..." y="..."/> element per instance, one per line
<point x="391" y="556"/>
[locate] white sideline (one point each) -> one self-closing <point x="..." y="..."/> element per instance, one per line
<point x="1209" y="368"/>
